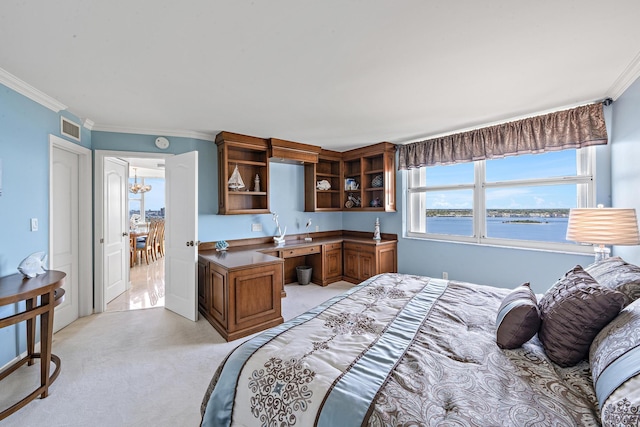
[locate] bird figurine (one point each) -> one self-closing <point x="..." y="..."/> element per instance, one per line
<point x="308" y="238"/>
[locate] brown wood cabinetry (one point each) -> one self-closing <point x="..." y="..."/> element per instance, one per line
<point x="250" y="155"/>
<point x="372" y="169"/>
<point x="329" y="168"/>
<point x="364" y="260"/>
<point x="240" y="294"/>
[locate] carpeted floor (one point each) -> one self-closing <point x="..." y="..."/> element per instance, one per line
<point x="135" y="368"/>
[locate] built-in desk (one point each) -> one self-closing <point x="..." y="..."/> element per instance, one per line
<point x="239" y="292"/>
<point x="239" y="289"/>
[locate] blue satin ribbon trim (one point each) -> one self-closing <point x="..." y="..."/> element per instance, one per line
<point x="220" y="406"/>
<point x="614" y="375"/>
<point x="348" y="402"/>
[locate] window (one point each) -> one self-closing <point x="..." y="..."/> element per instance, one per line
<point x="520" y="201"/>
<point x="149" y="205"/>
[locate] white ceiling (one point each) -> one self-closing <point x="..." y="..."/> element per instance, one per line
<point x="335" y="73"/>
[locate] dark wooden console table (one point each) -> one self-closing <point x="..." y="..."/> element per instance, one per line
<point x="41" y="295"/>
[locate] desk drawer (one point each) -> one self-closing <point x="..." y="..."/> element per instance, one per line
<point x="307" y="250"/>
<point x="330" y="246"/>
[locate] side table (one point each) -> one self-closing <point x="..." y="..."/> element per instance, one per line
<point x="41" y="295"/>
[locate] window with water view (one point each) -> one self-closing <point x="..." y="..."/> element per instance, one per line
<point x="515" y="201"/>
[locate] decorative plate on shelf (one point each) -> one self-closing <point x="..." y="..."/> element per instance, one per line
<point x="377" y="181"/>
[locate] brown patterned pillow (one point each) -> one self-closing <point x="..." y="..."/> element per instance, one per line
<point x="615" y="366"/>
<point x="572" y="313"/>
<point x="617" y="274"/>
<point x="518" y="318"/>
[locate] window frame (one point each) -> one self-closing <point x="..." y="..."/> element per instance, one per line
<point x="586" y="188"/>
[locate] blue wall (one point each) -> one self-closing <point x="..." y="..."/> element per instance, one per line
<point x="625" y="158"/>
<point x="24" y="149"/>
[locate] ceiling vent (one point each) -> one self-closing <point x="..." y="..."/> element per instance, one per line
<point x="70" y="129"/>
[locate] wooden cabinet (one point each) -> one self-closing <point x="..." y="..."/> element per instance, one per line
<point x="372" y="170"/>
<point x="329" y="168"/>
<point x="364" y="260"/>
<point x="239" y="297"/>
<point x="250" y="155"/>
<point x="327" y="265"/>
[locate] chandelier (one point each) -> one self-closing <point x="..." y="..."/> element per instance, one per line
<point x="136" y="188"/>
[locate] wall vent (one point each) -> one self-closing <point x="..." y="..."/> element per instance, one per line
<point x="69" y="128"/>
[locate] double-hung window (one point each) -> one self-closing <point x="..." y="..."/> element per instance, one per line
<point x="520" y="201"/>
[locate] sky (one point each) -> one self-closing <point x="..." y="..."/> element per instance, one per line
<point x="559" y="163"/>
<point x="153" y="199"/>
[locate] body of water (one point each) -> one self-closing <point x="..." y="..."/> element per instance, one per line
<point x="549" y="230"/>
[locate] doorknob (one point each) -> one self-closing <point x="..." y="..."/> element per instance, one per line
<point x="190" y="243"/>
<point x="124" y="234"/>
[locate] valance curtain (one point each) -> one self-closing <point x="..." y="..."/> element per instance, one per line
<point x="575" y="128"/>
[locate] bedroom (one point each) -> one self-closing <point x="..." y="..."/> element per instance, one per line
<point x="500" y="266"/>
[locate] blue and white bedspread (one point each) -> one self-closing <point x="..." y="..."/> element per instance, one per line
<point x="397" y="350"/>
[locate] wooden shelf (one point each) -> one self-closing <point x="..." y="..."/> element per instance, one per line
<point x="250" y="155"/>
<point x="329" y="168"/>
<point x="363" y="164"/>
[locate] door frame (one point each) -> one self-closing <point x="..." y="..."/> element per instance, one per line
<point x="85" y="218"/>
<point x="99" y="155"/>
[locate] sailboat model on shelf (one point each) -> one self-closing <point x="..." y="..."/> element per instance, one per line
<point x="235" y="182"/>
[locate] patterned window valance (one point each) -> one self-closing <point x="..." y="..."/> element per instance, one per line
<point x="576" y="128"/>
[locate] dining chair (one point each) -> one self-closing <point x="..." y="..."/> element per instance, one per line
<point x="146" y="246"/>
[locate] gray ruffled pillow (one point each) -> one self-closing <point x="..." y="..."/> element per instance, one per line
<point x="572" y="313"/>
<point x="518" y="319"/>
<point x="617" y="274"/>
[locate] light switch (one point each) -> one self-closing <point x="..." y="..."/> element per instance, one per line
<point x="256" y="227"/>
<point x="34" y="224"/>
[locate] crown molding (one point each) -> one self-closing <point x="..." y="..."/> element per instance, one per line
<point x="628" y="76"/>
<point x="12" y="82"/>
<point x="155" y="132"/>
<point x="88" y="123"/>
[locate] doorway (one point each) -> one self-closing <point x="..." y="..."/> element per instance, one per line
<point x="145" y="211"/>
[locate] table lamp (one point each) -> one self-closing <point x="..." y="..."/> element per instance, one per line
<point x="603" y="226"/>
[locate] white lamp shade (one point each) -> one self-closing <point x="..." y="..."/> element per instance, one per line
<point x="603" y="226"/>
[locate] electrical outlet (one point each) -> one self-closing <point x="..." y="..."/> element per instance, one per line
<point x="256" y="227"/>
<point x="317" y="228"/>
<point x="445" y="275"/>
<point x="34" y="224"/>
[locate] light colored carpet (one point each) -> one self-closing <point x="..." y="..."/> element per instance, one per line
<point x="135" y="368"/>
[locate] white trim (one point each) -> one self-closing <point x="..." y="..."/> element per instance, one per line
<point x="628" y="76"/>
<point x="98" y="179"/>
<point x="85" y="267"/>
<point x="141" y="131"/>
<point x="12" y="82"/>
<point x="88" y="124"/>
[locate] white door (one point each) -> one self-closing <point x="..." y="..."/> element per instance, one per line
<point x="181" y="247"/>
<point x="116" y="226"/>
<point x="64" y="225"/>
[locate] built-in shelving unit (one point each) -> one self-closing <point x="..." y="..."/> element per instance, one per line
<point x="329" y="168"/>
<point x="372" y="168"/>
<point x="250" y="155"/>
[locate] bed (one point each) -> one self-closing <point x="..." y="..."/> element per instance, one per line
<point x="410" y="350"/>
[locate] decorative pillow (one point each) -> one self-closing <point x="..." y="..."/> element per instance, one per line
<point x="518" y="318"/>
<point x="572" y="313"/>
<point x="617" y="274"/>
<point x="614" y="357"/>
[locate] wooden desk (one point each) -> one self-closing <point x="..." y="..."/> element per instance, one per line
<point x="41" y="295"/>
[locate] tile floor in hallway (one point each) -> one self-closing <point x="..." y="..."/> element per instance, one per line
<point x="147" y="288"/>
